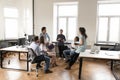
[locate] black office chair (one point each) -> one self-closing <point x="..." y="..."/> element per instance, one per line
<point x="32" y="60"/>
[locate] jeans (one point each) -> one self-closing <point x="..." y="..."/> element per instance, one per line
<point x="61" y="49"/>
<point x="68" y="53"/>
<point x="73" y="58"/>
<point x="47" y="63"/>
<point x="41" y="58"/>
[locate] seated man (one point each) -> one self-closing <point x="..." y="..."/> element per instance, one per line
<point x="81" y="47"/>
<point x="35" y="46"/>
<point x="74" y="46"/>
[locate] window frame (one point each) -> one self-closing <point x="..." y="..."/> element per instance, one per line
<point x="67" y="17"/>
<point x="109" y="17"/>
<point x="15" y="18"/>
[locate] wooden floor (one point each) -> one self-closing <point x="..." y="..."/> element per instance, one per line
<point x="92" y="70"/>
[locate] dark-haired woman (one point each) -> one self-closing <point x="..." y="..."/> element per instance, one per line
<point x="48" y="52"/>
<point x="81" y="48"/>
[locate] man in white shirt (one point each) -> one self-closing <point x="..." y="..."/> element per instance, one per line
<point x="39" y="56"/>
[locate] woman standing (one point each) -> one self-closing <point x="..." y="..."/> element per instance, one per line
<point x="81" y="47"/>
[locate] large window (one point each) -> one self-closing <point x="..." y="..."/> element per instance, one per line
<point x="11" y="23"/>
<point x="16" y="18"/>
<point x="108" y="22"/>
<point x="65" y="17"/>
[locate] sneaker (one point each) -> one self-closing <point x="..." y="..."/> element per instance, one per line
<point x="48" y="71"/>
<point x="64" y="59"/>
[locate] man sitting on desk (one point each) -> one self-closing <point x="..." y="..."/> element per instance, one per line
<point x="61" y="38"/>
<point x="39" y="56"/>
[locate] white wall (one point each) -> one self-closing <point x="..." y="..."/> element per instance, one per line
<point x="44" y="15"/>
<point x="23" y="23"/>
<point x="86" y="18"/>
<point x="1" y="22"/>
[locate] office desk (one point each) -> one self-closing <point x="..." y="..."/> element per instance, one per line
<point x="103" y="55"/>
<point x="105" y="46"/>
<point x="16" y="50"/>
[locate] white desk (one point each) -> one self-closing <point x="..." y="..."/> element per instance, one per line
<point x="105" y="55"/>
<point x="16" y="50"/>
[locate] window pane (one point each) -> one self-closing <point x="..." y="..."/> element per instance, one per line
<point x="109" y="9"/>
<point x="68" y="10"/>
<point x="62" y="25"/>
<point x="11" y="28"/>
<point x="103" y="28"/>
<point x="72" y="28"/>
<point x="10" y="12"/>
<point x="114" y="29"/>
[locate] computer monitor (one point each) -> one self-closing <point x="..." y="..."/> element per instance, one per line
<point x="30" y="38"/>
<point x="21" y="41"/>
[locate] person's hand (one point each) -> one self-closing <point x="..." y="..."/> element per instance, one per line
<point x="59" y="39"/>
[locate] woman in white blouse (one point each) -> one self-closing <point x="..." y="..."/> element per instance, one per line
<point x="48" y="52"/>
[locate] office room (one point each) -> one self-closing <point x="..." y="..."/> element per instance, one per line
<point x="59" y="39"/>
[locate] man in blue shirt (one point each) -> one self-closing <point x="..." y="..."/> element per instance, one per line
<point x="35" y="46"/>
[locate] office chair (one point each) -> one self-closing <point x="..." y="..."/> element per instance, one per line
<point x="32" y="56"/>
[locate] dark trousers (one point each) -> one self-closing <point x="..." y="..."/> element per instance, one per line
<point x="38" y="60"/>
<point x="61" y="49"/>
<point x="73" y="59"/>
<point x="41" y="58"/>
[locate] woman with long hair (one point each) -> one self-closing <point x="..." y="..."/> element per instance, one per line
<point x="81" y="47"/>
<point x="48" y="52"/>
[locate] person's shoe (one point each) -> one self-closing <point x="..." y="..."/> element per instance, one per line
<point x="64" y="59"/>
<point x="48" y="71"/>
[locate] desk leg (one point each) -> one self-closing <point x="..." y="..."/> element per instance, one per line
<point x="27" y="63"/>
<point x="19" y="56"/>
<point x="114" y="72"/>
<point x="80" y="68"/>
<point x="111" y="65"/>
<point x="1" y="59"/>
